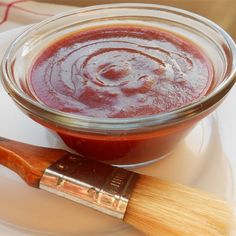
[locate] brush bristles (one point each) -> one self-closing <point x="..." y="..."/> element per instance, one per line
<point x="163" y="209"/>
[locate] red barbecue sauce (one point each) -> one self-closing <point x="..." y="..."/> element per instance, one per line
<point x="120" y="71"/>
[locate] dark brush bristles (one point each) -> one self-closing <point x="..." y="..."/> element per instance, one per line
<point x="160" y="208"/>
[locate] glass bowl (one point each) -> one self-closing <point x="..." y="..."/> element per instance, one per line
<point x="121" y="141"/>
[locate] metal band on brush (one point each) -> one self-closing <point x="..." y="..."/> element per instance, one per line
<point x="91" y="183"/>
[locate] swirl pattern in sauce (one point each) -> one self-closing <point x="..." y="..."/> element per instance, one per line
<point x="120" y="71"/>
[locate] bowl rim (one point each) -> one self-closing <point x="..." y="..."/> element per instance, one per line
<point x="80" y="122"/>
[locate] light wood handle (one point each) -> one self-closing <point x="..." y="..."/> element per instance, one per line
<point x="28" y="161"/>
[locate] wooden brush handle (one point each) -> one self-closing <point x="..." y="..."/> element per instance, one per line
<point x="28" y="161"/>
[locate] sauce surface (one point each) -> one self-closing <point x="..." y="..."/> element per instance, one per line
<point x="120" y="71"/>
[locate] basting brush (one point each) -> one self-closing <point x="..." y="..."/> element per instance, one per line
<point x="153" y="206"/>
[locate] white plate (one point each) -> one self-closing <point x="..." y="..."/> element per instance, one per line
<point x="203" y="159"/>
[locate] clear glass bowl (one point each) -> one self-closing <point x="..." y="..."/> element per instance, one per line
<point x="121" y="141"/>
